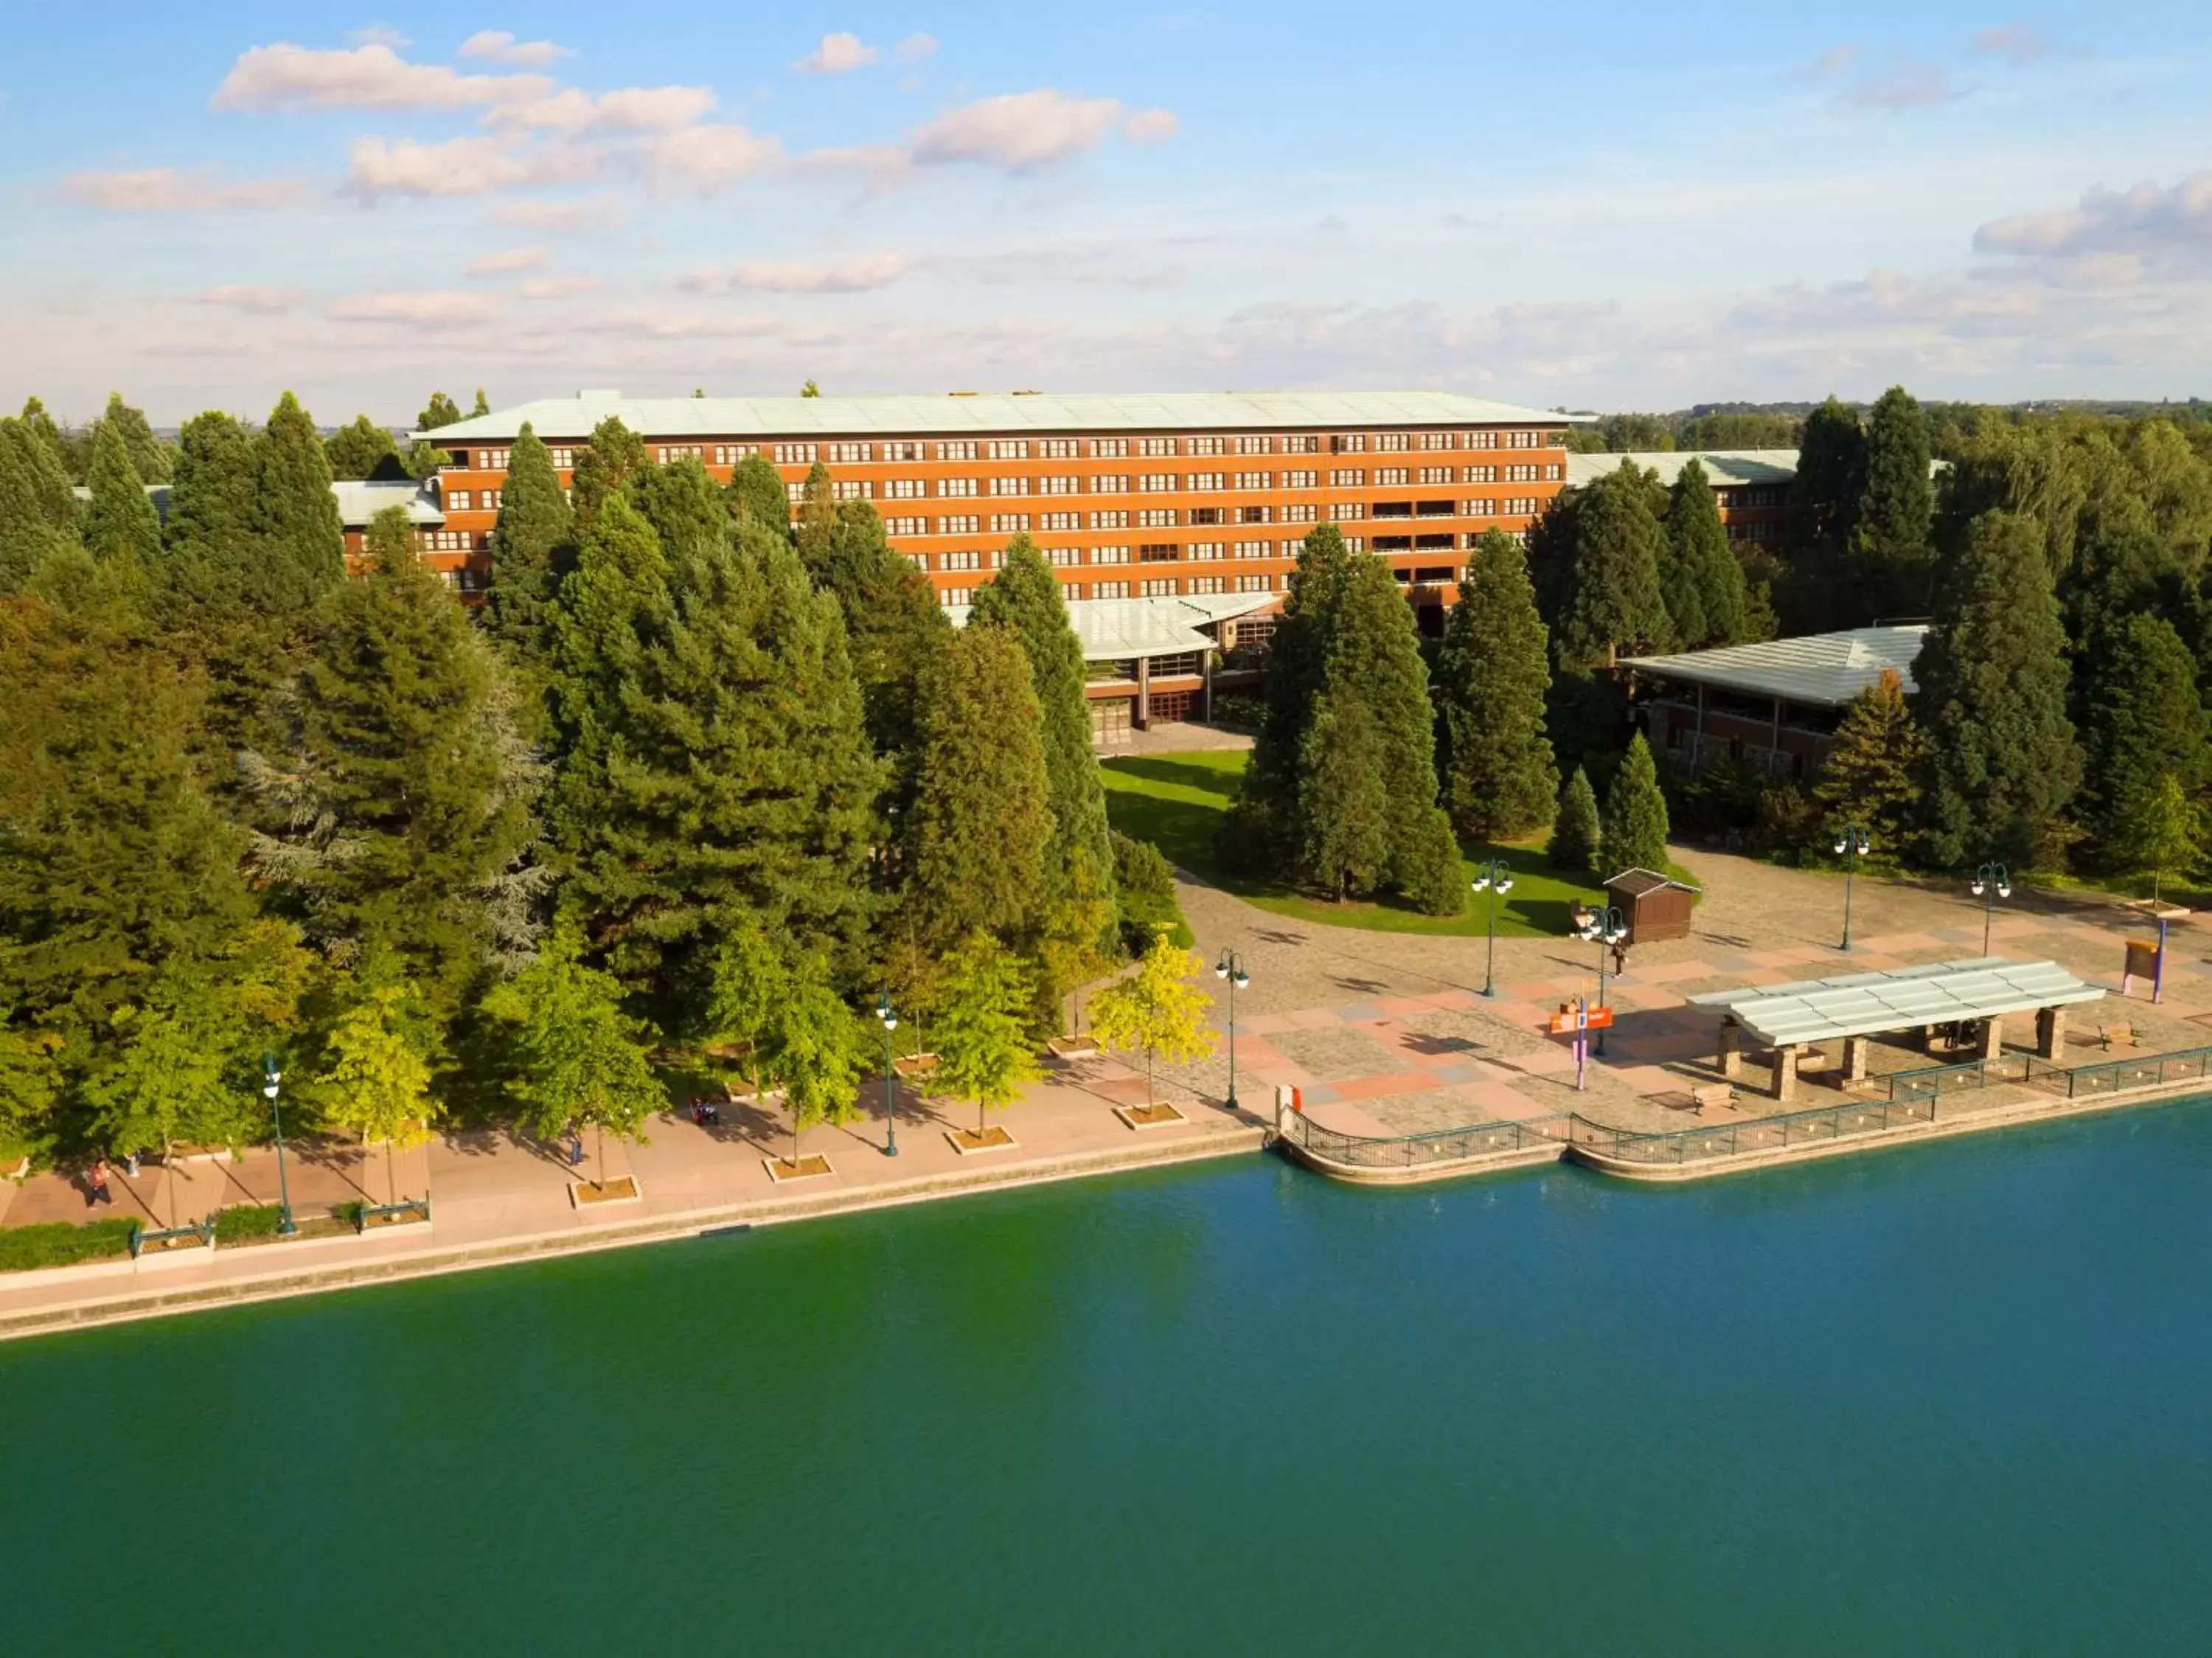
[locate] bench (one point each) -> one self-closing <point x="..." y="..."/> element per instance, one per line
<point x="2111" y="1036"/>
<point x="1717" y="1095"/>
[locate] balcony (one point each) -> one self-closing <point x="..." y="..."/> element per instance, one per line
<point x="1438" y="508"/>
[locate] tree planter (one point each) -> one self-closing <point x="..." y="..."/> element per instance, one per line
<point x="967" y="1143"/>
<point x="1071" y="1047"/>
<point x="17" y="1170"/>
<point x="1158" y="1115"/>
<point x="782" y="1171"/>
<point x="915" y="1064"/>
<point x="184" y="1153"/>
<point x="625" y="1190"/>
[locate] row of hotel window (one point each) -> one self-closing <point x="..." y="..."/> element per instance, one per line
<point x="1195" y="552"/>
<point x="1046" y="449"/>
<point x="1195" y="586"/>
<point x="1152" y="518"/>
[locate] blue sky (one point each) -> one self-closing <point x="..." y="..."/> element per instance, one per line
<point x="1606" y="207"/>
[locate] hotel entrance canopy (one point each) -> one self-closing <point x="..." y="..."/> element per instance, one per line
<point x="1865" y="1004"/>
<point x="1131" y="630"/>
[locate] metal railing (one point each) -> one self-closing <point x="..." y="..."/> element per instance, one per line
<point x="202" y="1233"/>
<point x="1932" y="1081"/>
<point x="2118" y="1075"/>
<point x="1451" y="1145"/>
<point x="1842" y="1121"/>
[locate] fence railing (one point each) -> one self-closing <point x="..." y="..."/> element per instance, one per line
<point x="1451" y="1145"/>
<point x="2118" y="1075"/>
<point x="1933" y="1081"/>
<point x="1842" y="1121"/>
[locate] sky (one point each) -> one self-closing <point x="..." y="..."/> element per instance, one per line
<point x="1601" y="207"/>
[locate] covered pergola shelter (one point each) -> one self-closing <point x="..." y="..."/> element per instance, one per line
<point x="1985" y="991"/>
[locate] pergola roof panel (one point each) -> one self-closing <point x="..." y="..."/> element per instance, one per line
<point x="1865" y="1005"/>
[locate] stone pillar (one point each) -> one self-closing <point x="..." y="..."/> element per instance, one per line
<point x="1992" y="1037"/>
<point x="2050" y="1032"/>
<point x="1731" y="1049"/>
<point x="1785" y="1074"/>
<point x="1927" y="1039"/>
<point x="1205" y="690"/>
<point x="1144" y="693"/>
<point x="1855" y="1059"/>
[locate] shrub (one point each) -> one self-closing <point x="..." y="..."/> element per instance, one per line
<point x="1245" y="713"/>
<point x="56" y="1243"/>
<point x="247" y="1221"/>
<point x="1143" y="886"/>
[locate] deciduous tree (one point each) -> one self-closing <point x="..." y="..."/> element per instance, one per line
<point x="1160" y="1009"/>
<point x="379" y="1058"/>
<point x="985" y="1052"/>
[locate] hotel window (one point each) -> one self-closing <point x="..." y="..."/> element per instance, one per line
<point x="1482" y="440"/>
<point x="918" y="560"/>
<point x="1523" y="440"/>
<point x="902" y="450"/>
<point x="1009" y="487"/>
<point x="1478" y="475"/>
<point x="1110" y="485"/>
<point x="1116" y="520"/>
<point x="1256" y="445"/>
<point x="1436" y="475"/>
<point x="1059" y="486"/>
<point x="674" y="452"/>
<point x="960" y="561"/>
<point x="1252" y="584"/>
<point x="1520" y="503"/>
<point x="844" y="455"/>
<point x="494" y="499"/>
<point x="1308" y="513"/>
<point x="1009" y="523"/>
<point x="999" y="559"/>
<point x="1480" y="509"/>
<point x="457" y="501"/>
<point x="1057" y="448"/>
<point x="1254" y="481"/>
<point x="1063" y="556"/>
<point x="1206" y="551"/>
<point x="1060" y="520"/>
<point x="906" y="526"/>
<point x="1157" y="518"/>
<point x="1008" y="449"/>
<point x="797" y="492"/>
<point x="1387" y="475"/>
<point x="1208" y="481"/>
<point x="1155" y="483"/>
<point x="956" y="598"/>
<point x="959" y="523"/>
<point x="1302" y="443"/>
<point x="1206" y="445"/>
<point x="962" y="448"/>
<point x="728" y="454"/>
<point x="1109" y="448"/>
<point x="1439" y="440"/>
<point x="794" y="454"/>
<point x="956" y="486"/>
<point x="1206" y="584"/>
<point x="905" y="489"/>
<point x="1209" y="515"/>
<point x="1520" y="472"/>
<point x="1350" y="478"/>
<point x="1305" y="480"/>
<point x="563" y="460"/>
<point x="1347" y="443"/>
<point x="1554" y="471"/>
<point x="493" y="461"/>
<point x="1356" y="542"/>
<point x="1348" y="509"/>
<point x="1255" y="549"/>
<point x="1159" y="552"/>
<point x="853" y="489"/>
<point x="1255" y="515"/>
<point x="1158" y="589"/>
<point x="1391" y="442"/>
<point x="1109" y="590"/>
<point x="1155" y="446"/>
<point x="1110" y="555"/>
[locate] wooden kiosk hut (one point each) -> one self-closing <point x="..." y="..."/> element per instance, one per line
<point x="1655" y="907"/>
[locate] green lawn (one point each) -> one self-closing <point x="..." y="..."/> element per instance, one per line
<point x="1178" y="802"/>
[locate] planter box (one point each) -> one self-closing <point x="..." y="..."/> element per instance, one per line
<point x="993" y="1138"/>
<point x="812" y="1167"/>
<point x="582" y="1194"/>
<point x="915" y="1064"/>
<point x="1158" y="1115"/>
<point x="1071" y="1047"/>
<point x="184" y="1154"/>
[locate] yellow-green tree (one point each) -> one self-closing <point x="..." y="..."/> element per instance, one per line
<point x="1159" y="1009"/>
<point x="984" y="1051"/>
<point x="377" y="1081"/>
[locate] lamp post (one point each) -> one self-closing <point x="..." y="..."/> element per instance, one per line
<point x="1493" y="878"/>
<point x="271" y="1076"/>
<point x="888" y="1016"/>
<point x="1607" y="926"/>
<point x="1230" y="966"/>
<point x="1853" y="845"/>
<point x="1991" y="882"/>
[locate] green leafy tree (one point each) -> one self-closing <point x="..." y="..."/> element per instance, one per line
<point x="1892" y="558"/>
<point x="482" y="407"/>
<point x="578" y="1058"/>
<point x="2168" y="836"/>
<point x="818" y="520"/>
<point x="379" y="1058"/>
<point x="1575" y="831"/>
<point x="685" y="506"/>
<point x="1263" y="830"/>
<point x="364" y="449"/>
<point x="294" y="515"/>
<point x="173" y="1075"/>
<point x="1492" y="672"/>
<point x="122" y="524"/>
<point x="616" y="455"/>
<point x="1159" y="1009"/>
<point x="813" y="1049"/>
<point x="30" y="1086"/>
<point x="984" y="1051"/>
<point x="757" y="495"/>
<point x="1616" y="600"/>
<point x="1145" y="893"/>
<point x="1872" y="776"/>
<point x="532" y="546"/>
<point x="1704" y="586"/>
<point x="441" y="411"/>
<point x="1634" y="836"/>
<point x="809" y="389"/>
<point x="2145" y="723"/>
<point x="1991" y="692"/>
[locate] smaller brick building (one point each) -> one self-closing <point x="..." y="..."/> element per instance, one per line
<point x="1750" y="487"/>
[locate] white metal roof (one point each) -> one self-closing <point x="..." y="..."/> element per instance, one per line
<point x="1864" y="1005"/>
<point x="1826" y="669"/>
<point x="570" y="417"/>
<point x="361" y="499"/>
<point x="1725" y="468"/>
<point x="1118" y="630"/>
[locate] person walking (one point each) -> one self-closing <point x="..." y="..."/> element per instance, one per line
<point x="100" y="1194"/>
<point x="576" y="1147"/>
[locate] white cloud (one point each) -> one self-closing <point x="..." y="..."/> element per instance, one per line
<point x="542" y="287"/>
<point x="915" y="48"/>
<point x="456" y="167"/>
<point x="286" y="77"/>
<point x="627" y="109"/>
<point x="836" y="55"/>
<point x="507" y="261"/>
<point x="1150" y="126"/>
<point x="498" y="47"/>
<point x="1907" y="86"/>
<point x="1018" y="130"/>
<point x="428" y="309"/>
<point x="851" y="275"/>
<point x="166" y="190"/>
<point x="2149" y="223"/>
<point x="251" y="298"/>
<point x="582" y="213"/>
<point x="377" y="35"/>
<point x="665" y="324"/>
<point x="709" y="159"/>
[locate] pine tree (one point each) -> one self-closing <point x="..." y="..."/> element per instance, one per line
<point x="757" y="495"/>
<point x="363" y="450"/>
<point x="1367" y="775"/>
<point x="893" y="622"/>
<point x="441" y="411"/>
<point x="1499" y="781"/>
<point x="981" y="824"/>
<point x="1634" y="836"/>
<point x="38" y="511"/>
<point x="211" y="497"/>
<point x="685" y="506"/>
<point x="151" y="458"/>
<point x="1574" y="843"/>
<point x="818" y="520"/>
<point x="614" y="456"/>
<point x="397" y="813"/>
<point x="1823" y="513"/>
<point x="1262" y="830"/>
<point x="984" y="1050"/>
<point x="295" y="516"/>
<point x="1872" y="775"/>
<point x="1705" y="598"/>
<point x="122" y="523"/>
<point x="1618" y="602"/>
<point x="2145" y="721"/>
<point x="482" y="407"/>
<point x="1893" y="560"/>
<point x="531" y="548"/>
<point x="1991" y="687"/>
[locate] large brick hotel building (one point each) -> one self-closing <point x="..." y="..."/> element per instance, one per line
<point x="1168" y="496"/>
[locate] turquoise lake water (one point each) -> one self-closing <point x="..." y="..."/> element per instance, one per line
<point x="1948" y="1401"/>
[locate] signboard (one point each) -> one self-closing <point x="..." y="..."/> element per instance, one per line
<point x="2143" y="959"/>
<point x="1563" y="1024"/>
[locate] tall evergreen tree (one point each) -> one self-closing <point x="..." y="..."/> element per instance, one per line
<point x="757" y="495"/>
<point x="38" y="512"/>
<point x="531" y="548"/>
<point x="1262" y="830"/>
<point x="893" y="624"/>
<point x="363" y="450"/>
<point x="441" y="410"/>
<point x="1873" y="773"/>
<point x="1499" y="780"/>
<point x="1575" y="831"/>
<point x="616" y="455"/>
<point x="2145" y="723"/>
<point x="1992" y="689"/>
<point x="818" y="520"/>
<point x="1823" y="513"/>
<point x="1705" y="597"/>
<point x="482" y="407"/>
<point x="1634" y="831"/>
<point x="122" y="523"/>
<point x="295" y="516"/>
<point x="211" y="497"/>
<point x="685" y="506"/>
<point x="1367" y="771"/>
<point x="1618" y="601"/>
<point x="1892" y="558"/>
<point x="151" y="458"/>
